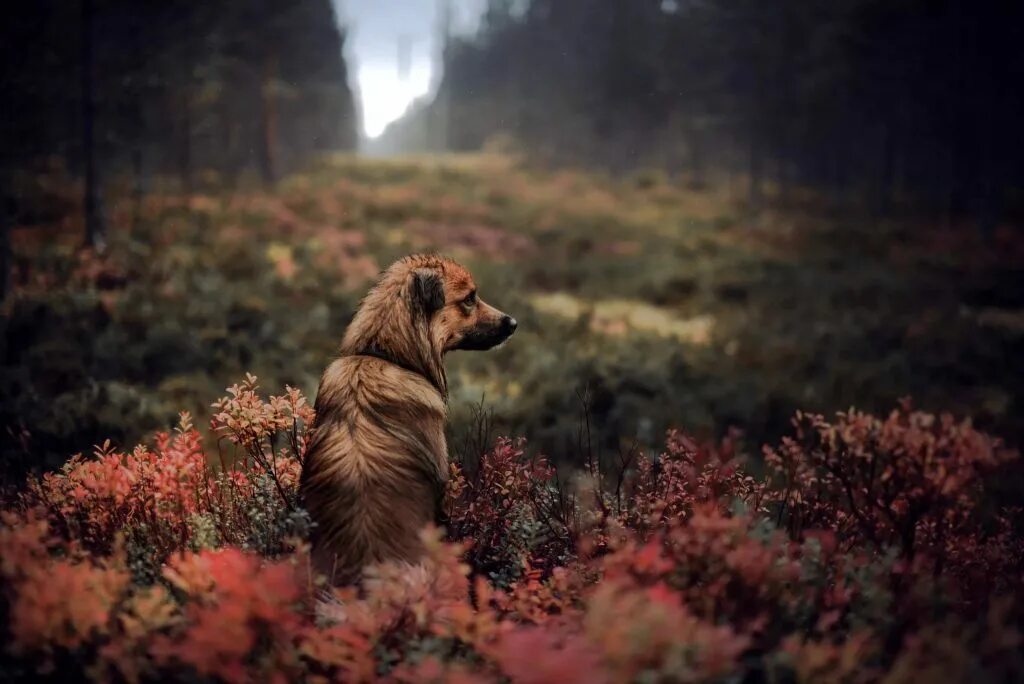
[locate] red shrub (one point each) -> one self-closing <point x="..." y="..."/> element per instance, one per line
<point x="910" y="480"/>
<point x="671" y="485"/>
<point x="869" y="552"/>
<point x="510" y="512"/>
<point x="233" y="603"/>
<point x="910" y="484"/>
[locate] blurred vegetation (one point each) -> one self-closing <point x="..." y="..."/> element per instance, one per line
<point x="906" y="107"/>
<point x="642" y="302"/>
<point x="214" y="92"/>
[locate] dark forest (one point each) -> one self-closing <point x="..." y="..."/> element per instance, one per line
<point x="759" y="421"/>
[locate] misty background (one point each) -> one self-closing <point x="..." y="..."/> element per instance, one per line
<point x="397" y="52"/>
<point x="910" y="106"/>
<point x="705" y="213"/>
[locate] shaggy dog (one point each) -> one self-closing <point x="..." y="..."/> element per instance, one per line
<point x="375" y="470"/>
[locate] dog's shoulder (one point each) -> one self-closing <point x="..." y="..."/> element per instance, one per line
<point x="370" y="380"/>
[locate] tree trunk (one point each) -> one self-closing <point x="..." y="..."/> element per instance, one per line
<point x="139" y="125"/>
<point x="442" y="109"/>
<point x="838" y="177"/>
<point x="785" y="185"/>
<point x="695" y="143"/>
<point x="229" y="165"/>
<point x="95" y="230"/>
<point x="755" y="171"/>
<point x="5" y="244"/>
<point x="268" y="122"/>
<point x="989" y="181"/>
<point x="138" y="185"/>
<point x="887" y="177"/>
<point x="185" y="143"/>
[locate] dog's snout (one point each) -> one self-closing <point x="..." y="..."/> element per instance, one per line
<point x="510" y="324"/>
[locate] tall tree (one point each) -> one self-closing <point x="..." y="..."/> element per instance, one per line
<point x="897" y="106"/>
<point x="168" y="88"/>
<point x="5" y="241"/>
<point x="95" y="228"/>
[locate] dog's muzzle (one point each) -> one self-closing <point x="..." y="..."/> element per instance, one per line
<point x="483" y="338"/>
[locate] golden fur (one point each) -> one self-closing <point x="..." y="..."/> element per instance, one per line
<point x="377" y="462"/>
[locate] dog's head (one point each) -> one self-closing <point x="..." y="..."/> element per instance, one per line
<point x="422" y="307"/>
<point x="445" y="294"/>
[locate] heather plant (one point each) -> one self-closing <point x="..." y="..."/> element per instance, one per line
<point x="864" y="554"/>
<point x="909" y="487"/>
<point x="512" y="513"/>
<point x="752" y="320"/>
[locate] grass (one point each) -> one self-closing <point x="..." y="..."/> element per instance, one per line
<point x="663" y="305"/>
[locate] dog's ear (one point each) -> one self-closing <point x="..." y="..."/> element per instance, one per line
<point x="427" y="290"/>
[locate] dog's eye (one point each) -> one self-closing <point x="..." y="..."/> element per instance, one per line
<point x="470" y="299"/>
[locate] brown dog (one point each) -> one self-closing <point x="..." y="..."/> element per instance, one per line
<point x="377" y="463"/>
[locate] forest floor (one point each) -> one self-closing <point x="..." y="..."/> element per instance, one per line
<point x="650" y="304"/>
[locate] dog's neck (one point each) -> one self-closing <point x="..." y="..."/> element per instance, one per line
<point x="389" y="327"/>
<point x="438" y="378"/>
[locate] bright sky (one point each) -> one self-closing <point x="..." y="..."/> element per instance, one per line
<point x="385" y="96"/>
<point x="375" y="29"/>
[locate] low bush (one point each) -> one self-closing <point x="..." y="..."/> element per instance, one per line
<point x="869" y="550"/>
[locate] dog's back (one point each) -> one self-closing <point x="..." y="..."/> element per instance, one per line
<point x="375" y="467"/>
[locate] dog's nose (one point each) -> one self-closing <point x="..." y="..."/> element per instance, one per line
<point x="509" y="324"/>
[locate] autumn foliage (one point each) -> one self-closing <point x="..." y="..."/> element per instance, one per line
<point x="861" y="548"/>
